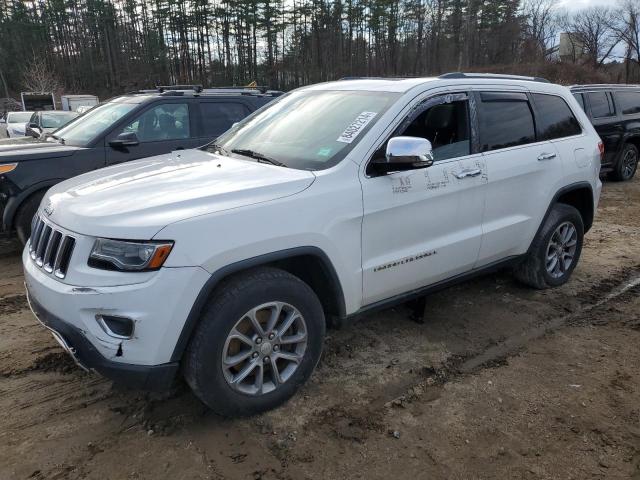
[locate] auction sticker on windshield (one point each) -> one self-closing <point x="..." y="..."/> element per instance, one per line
<point x="352" y="131"/>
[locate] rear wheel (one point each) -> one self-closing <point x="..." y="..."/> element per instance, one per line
<point x="258" y="341"/>
<point x="627" y="165"/>
<point x="25" y="214"/>
<point x="555" y="250"/>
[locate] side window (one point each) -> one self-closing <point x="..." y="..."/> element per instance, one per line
<point x="629" y="102"/>
<point x="446" y="126"/>
<point x="168" y="121"/>
<point x="580" y="99"/>
<point x="555" y="118"/>
<point x="505" y="121"/>
<point x="600" y="105"/>
<point x="218" y="117"/>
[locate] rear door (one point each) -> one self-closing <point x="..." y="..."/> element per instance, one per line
<point x="522" y="173"/>
<point x="607" y="123"/>
<point x="218" y="115"/>
<point x="160" y="128"/>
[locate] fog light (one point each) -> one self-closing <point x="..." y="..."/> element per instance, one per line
<point x="116" y="327"/>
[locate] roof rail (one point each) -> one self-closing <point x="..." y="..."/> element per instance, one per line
<point x="491" y="76"/>
<point x="606" y="85"/>
<point x="164" y="88"/>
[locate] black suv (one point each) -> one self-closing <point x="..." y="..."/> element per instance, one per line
<point x="132" y="126"/>
<point x="614" y="111"/>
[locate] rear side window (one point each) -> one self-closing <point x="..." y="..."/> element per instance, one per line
<point x="629" y="102"/>
<point x="218" y="117"/>
<point x="555" y="118"/>
<point x="505" y="121"/>
<point x="601" y="105"/>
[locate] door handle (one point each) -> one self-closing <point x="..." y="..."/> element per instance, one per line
<point x="546" y="156"/>
<point x="473" y="172"/>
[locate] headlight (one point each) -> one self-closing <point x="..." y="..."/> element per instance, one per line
<point x="128" y="255"/>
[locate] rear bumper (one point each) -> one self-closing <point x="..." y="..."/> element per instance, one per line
<point x="148" y="377"/>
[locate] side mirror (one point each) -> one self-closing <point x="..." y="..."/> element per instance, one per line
<point x="126" y="139"/>
<point x="405" y="153"/>
<point x="33" y="129"/>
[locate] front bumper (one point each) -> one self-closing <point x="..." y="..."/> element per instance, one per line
<point x="159" y="306"/>
<point x="148" y="377"/>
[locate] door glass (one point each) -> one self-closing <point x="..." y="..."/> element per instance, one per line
<point x="629" y="102"/>
<point x="446" y="126"/>
<point x="505" y="122"/>
<point x="555" y="118"/>
<point x="600" y="105"/>
<point x="578" y="97"/>
<point x="169" y="121"/>
<point x="217" y="117"/>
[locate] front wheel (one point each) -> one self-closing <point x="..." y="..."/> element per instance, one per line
<point x="258" y="341"/>
<point x="555" y="250"/>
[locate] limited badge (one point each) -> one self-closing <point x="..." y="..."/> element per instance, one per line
<point x="48" y="209"/>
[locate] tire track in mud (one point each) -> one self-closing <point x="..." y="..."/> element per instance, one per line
<point x="354" y="423"/>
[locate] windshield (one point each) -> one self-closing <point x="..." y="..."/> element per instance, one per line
<point x="308" y="130"/>
<point x="18" y="117"/>
<point x="58" y="119"/>
<point x="94" y="123"/>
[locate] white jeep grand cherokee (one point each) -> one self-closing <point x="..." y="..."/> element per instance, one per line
<point x="224" y="263"/>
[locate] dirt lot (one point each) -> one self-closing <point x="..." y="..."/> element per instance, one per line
<point x="498" y="382"/>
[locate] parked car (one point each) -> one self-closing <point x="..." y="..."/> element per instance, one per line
<point x="614" y="111"/>
<point x="47" y="122"/>
<point x="224" y="263"/>
<point x="16" y="123"/>
<point x="151" y="122"/>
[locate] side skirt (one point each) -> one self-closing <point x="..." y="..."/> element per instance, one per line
<point x="419" y="292"/>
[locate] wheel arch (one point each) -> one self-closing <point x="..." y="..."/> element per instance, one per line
<point x="14" y="203"/>
<point x="578" y="195"/>
<point x="311" y="264"/>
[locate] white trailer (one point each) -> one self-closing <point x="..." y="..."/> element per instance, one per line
<point x="72" y="102"/>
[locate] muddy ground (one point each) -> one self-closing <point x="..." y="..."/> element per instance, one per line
<point x="499" y="381"/>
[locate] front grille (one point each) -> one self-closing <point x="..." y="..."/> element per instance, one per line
<point x="49" y="248"/>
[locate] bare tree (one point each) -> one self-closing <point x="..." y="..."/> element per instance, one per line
<point x="37" y="76"/>
<point x="541" y="27"/>
<point x="627" y="26"/>
<point x="592" y="32"/>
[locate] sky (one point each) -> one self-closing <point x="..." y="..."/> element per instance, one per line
<point x="579" y="4"/>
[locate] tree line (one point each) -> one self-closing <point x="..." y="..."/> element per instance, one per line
<point x="111" y="46"/>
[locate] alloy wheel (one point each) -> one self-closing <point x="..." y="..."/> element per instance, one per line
<point x="264" y="348"/>
<point x="561" y="249"/>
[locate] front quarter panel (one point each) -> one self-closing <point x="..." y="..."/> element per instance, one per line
<point x="327" y="216"/>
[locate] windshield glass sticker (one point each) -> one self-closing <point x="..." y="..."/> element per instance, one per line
<point x="324" y="152"/>
<point x="352" y="131"/>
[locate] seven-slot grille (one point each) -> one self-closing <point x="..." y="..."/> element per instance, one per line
<point x="49" y="248"/>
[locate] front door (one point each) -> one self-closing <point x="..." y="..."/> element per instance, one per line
<point x="424" y="226"/>
<point x="161" y="128"/>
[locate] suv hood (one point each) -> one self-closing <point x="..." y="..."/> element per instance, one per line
<point x="28" y="148"/>
<point x="137" y="199"/>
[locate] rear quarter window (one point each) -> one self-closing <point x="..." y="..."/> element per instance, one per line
<point x="554" y="117"/>
<point x="505" y="121"/>
<point x="628" y="102"/>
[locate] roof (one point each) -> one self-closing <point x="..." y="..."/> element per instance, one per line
<point x="405" y="84"/>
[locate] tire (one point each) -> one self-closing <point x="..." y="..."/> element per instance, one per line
<point x="25" y="214"/>
<point x="229" y="309"/>
<point x="627" y="165"/>
<point x="534" y="270"/>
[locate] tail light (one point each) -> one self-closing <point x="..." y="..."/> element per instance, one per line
<point x="601" y="148"/>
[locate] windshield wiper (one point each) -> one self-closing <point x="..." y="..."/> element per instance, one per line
<point x="258" y="156"/>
